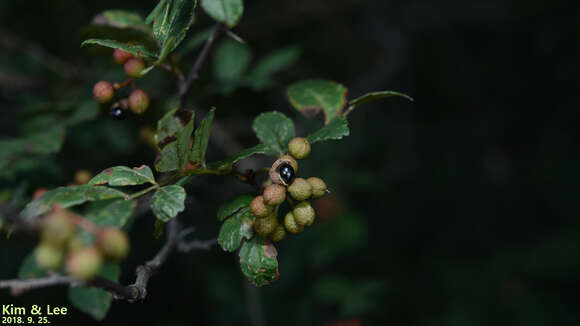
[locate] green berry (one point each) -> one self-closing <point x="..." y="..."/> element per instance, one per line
<point x="291" y="225"/>
<point x="265" y="226"/>
<point x="48" y="256"/>
<point x="278" y="234"/>
<point x="299" y="147"/>
<point x="114" y="244"/>
<point x="274" y="194"/>
<point x="121" y="56"/>
<point x="304" y="213"/>
<point x="57" y="229"/>
<point x="300" y="189"/>
<point x="259" y="208"/>
<point x="103" y="92"/>
<point x="318" y="187"/>
<point x="133" y="67"/>
<point x="84" y="264"/>
<point x="138" y="101"/>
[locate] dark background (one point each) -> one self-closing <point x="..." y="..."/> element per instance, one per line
<point x="457" y="209"/>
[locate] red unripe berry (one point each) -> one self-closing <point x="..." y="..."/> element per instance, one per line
<point x="121" y="56"/>
<point x="133" y="67"/>
<point x="103" y="91"/>
<point x="138" y="101"/>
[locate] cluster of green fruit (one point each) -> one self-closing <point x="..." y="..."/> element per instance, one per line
<point x="282" y="175"/>
<point x="138" y="100"/>
<point x="59" y="238"/>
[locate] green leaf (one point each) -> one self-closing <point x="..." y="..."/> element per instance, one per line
<point x="201" y="140"/>
<point x="313" y="95"/>
<point x="230" y="62"/>
<point x="258" y="261"/>
<point x="69" y="196"/>
<point x="261" y="76"/>
<point x="124" y="176"/>
<point x="92" y="301"/>
<point x="134" y="49"/>
<point x="121" y="19"/>
<point x="235" y="229"/>
<point x="159" y="227"/>
<point x="231" y="207"/>
<point x="172" y="23"/>
<point x="275" y="130"/>
<point x="173" y="138"/>
<point x="29" y="268"/>
<point x="228" y="162"/>
<point x="156" y="11"/>
<point x="117" y="213"/>
<point x="336" y="129"/>
<point x="228" y="12"/>
<point x="377" y="95"/>
<point x="168" y="202"/>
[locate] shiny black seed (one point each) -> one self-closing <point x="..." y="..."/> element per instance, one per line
<point x="117" y="113"/>
<point x="286" y="172"/>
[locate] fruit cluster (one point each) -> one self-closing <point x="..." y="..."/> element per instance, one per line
<point x="138" y="100"/>
<point x="59" y="237"/>
<point x="282" y="177"/>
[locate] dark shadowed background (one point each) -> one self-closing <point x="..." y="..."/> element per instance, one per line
<point x="457" y="209"/>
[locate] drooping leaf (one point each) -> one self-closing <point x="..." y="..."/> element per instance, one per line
<point x="235" y="229"/>
<point x="231" y="207"/>
<point x="173" y="138"/>
<point x="261" y="76"/>
<point x="69" y="196"/>
<point x="168" y="201"/>
<point x="134" y="49"/>
<point x="313" y="95"/>
<point x="29" y="268"/>
<point x="228" y="12"/>
<point x="159" y="227"/>
<point x="172" y="23"/>
<point x="336" y="129"/>
<point x="377" y="95"/>
<point x="228" y="162"/>
<point x="124" y="176"/>
<point x="258" y="261"/>
<point x="92" y="301"/>
<point x="201" y="140"/>
<point x="115" y="213"/>
<point x="230" y="61"/>
<point x="275" y="130"/>
<point x="121" y="19"/>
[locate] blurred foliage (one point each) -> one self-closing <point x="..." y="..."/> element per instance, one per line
<point x="459" y="209"/>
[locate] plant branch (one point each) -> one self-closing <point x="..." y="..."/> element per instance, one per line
<point x="199" y="62"/>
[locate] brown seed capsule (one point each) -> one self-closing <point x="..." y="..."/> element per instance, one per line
<point x="318" y="187"/>
<point x="133" y="67"/>
<point x="299" y="147"/>
<point x="138" y="101"/>
<point x="278" y="234"/>
<point x="265" y="226"/>
<point x="300" y="189"/>
<point x="304" y="214"/>
<point x="83" y="177"/>
<point x="281" y="162"/>
<point x="291" y="225"/>
<point x="113" y="243"/>
<point x="103" y="91"/>
<point x="48" y="256"/>
<point x="121" y="56"/>
<point x="84" y="264"/>
<point x="57" y="228"/>
<point x="259" y="208"/>
<point x="274" y="194"/>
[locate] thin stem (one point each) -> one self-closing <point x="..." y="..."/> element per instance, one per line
<point x="196" y="68"/>
<point x="143" y="192"/>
